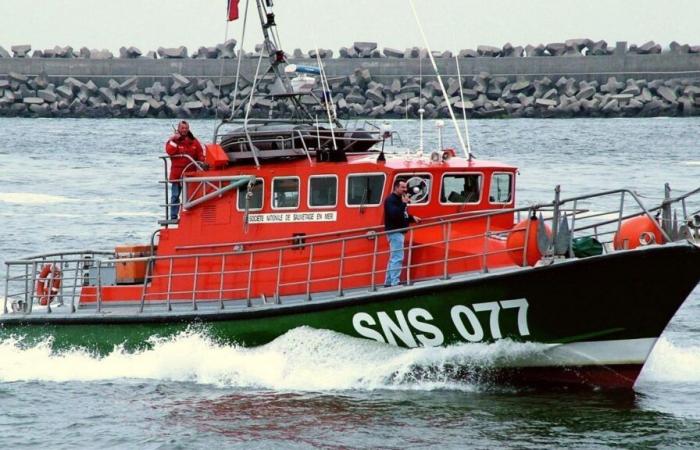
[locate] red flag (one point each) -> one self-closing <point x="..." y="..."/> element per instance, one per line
<point x="232" y="10"/>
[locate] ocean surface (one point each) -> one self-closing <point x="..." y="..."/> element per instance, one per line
<point x="92" y="184"/>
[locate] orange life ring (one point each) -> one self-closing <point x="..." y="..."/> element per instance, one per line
<point x="48" y="283"/>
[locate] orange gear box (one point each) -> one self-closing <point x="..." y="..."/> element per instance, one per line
<point x="131" y="272"/>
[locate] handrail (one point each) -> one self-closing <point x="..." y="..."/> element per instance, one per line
<point x="187" y="285"/>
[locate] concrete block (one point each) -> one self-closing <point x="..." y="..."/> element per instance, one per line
<point x="612" y="86"/>
<point x="143" y="110"/>
<point x="113" y="84"/>
<point x="182" y="81"/>
<point x="649" y="47"/>
<point x="555" y="49"/>
<point x="364" y="47"/>
<point x="173" y="53"/>
<point x="510" y="51"/>
<point x="586" y="93"/>
<point x="63" y="52"/>
<point x="521" y="86"/>
<point x="47" y="95"/>
<point x="20" y="51"/>
<point x="154" y="104"/>
<point x="598" y="48"/>
<point x="534" y="50"/>
<point x="4" y="84"/>
<point x="298" y="54"/>
<point x="468" y="53"/>
<point x="33" y="101"/>
<point x="412" y="52"/>
<point x="128" y="86"/>
<point x="64" y="91"/>
<point x="37" y="54"/>
<point x="84" y="52"/>
<point x="667" y="94"/>
<point x="18" y="77"/>
<point x="550" y="94"/>
<point x="101" y="54"/>
<point x="130" y="102"/>
<point x="227" y="50"/>
<point x="107" y="94"/>
<point x="4" y="53"/>
<point x="612" y="106"/>
<point x="151" y="55"/>
<point x="488" y="50"/>
<point x="133" y="52"/>
<point x="675" y="47"/>
<point x="41" y="81"/>
<point x="393" y="53"/>
<point x="694" y="49"/>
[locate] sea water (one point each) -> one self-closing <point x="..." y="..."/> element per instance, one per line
<point x="92" y="184"/>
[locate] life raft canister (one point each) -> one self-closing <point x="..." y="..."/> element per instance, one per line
<point x="515" y="242"/>
<point x="48" y="283"/>
<point x="640" y="230"/>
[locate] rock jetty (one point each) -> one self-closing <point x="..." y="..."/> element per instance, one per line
<point x="575" y="78"/>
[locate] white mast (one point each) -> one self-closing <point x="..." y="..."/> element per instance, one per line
<point x="442" y="86"/>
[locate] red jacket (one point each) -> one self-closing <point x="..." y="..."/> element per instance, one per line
<point x="178" y="145"/>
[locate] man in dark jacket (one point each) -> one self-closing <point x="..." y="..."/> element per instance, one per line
<point x="182" y="148"/>
<point x="396" y="217"/>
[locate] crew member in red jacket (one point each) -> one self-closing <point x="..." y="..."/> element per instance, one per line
<point x="182" y="148"/>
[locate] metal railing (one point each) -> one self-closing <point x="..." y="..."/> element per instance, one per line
<point x="331" y="264"/>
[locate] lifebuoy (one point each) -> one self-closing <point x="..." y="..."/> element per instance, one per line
<point x="48" y="283"/>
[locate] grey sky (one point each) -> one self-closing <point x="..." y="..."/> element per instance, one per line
<point x="450" y="24"/>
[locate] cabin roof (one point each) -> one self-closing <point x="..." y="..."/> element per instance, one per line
<point x="368" y="162"/>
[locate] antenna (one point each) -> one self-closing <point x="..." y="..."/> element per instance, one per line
<point x="437" y="74"/>
<point x="464" y="112"/>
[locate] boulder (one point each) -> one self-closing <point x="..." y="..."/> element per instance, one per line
<point x="20" y="51"/>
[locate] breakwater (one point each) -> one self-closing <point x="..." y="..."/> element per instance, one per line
<point x="551" y="81"/>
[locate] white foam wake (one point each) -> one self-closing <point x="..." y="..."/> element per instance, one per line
<point x="673" y="363"/>
<point x="302" y="359"/>
<point x="28" y="198"/>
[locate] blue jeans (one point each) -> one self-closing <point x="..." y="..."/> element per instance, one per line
<point x="175" y="189"/>
<point x="393" y="270"/>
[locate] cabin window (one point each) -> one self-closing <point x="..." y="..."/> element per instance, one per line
<point x="501" y="190"/>
<point x="323" y="191"/>
<point x="255" y="202"/>
<point x="365" y="190"/>
<point x="285" y="193"/>
<point x="418" y="187"/>
<point x="461" y="188"/>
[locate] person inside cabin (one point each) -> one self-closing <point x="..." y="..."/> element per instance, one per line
<point x="182" y="148"/>
<point x="396" y="220"/>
